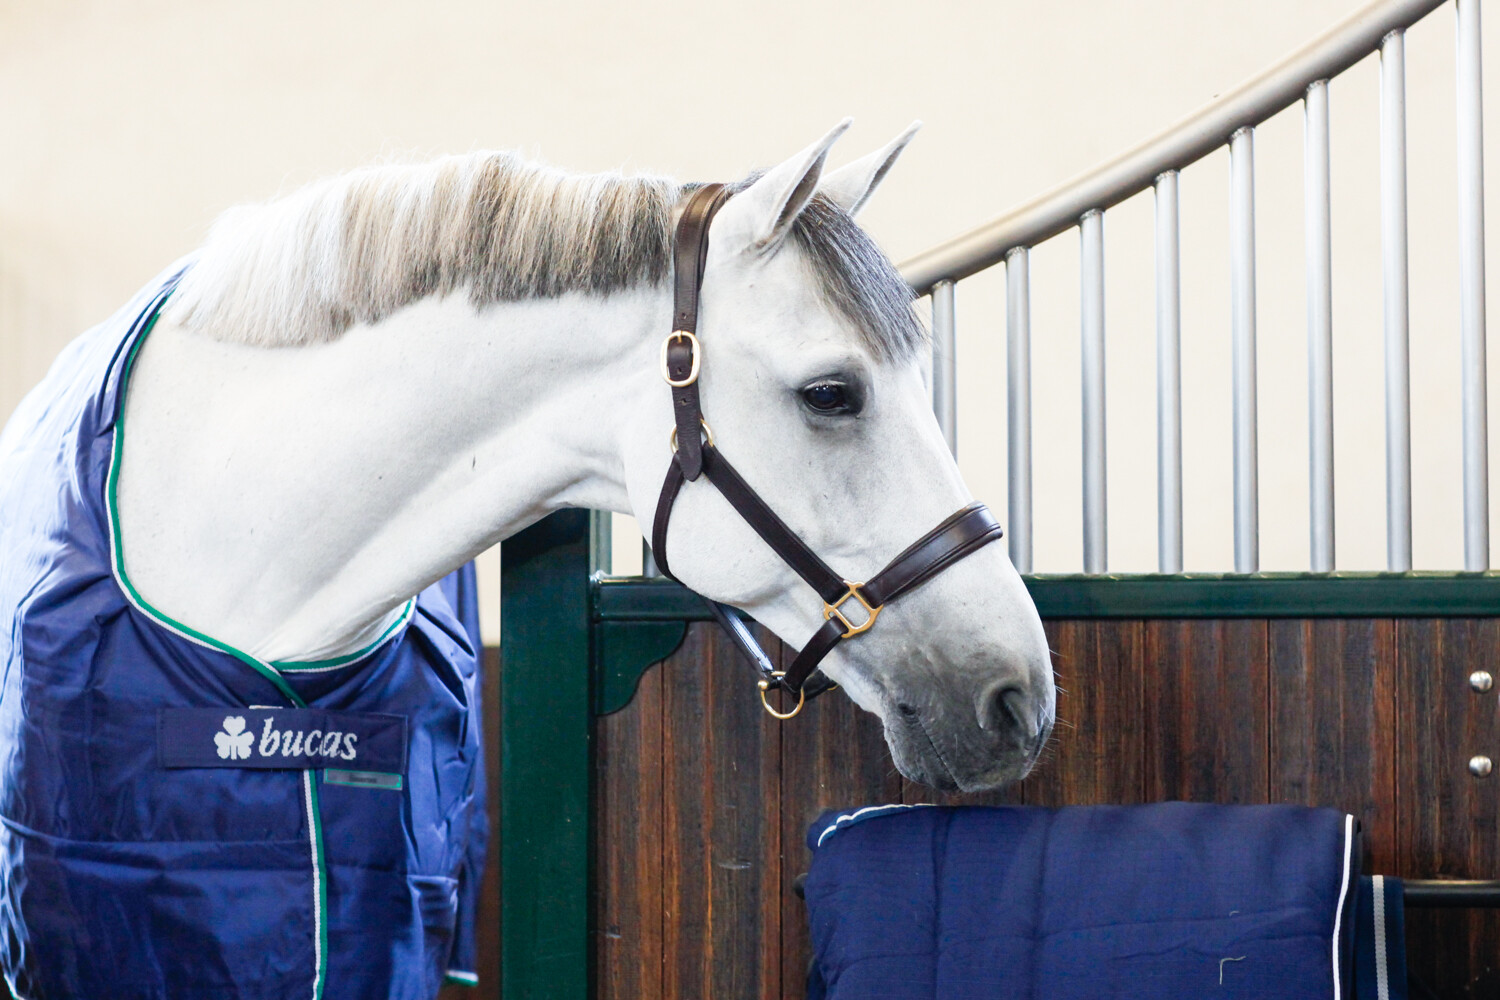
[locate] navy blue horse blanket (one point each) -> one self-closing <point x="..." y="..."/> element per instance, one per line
<point x="180" y="820"/>
<point x="1084" y="903"/>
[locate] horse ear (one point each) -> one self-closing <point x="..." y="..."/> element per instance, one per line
<point x="759" y="217"/>
<point x="851" y="185"/>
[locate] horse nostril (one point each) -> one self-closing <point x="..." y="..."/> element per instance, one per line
<point x="908" y="711"/>
<point x="1005" y="706"/>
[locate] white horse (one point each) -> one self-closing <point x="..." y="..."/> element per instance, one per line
<point x="360" y="387"/>
<point x="345" y="396"/>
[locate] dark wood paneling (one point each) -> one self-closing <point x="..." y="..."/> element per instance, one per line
<point x="1332" y="723"/>
<point x="721" y="827"/>
<point x="1097" y="749"/>
<point x="1448" y="821"/>
<point x="1372" y="716"/>
<point x="628" y="812"/>
<point x="1205" y="701"/>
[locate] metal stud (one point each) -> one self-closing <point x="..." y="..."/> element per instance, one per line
<point x="1480" y="766"/>
<point x="1481" y="681"/>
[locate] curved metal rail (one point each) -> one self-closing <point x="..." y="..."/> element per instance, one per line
<point x="1231" y="120"/>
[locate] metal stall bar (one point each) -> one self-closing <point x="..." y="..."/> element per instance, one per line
<point x="1397" y="310"/>
<point x="945" y="363"/>
<point x="1242" y="348"/>
<point x="1190" y="139"/>
<point x="1168" y="377"/>
<point x="1018" y="404"/>
<point x="1471" y="288"/>
<point x="1319" y="225"/>
<point x="1095" y="524"/>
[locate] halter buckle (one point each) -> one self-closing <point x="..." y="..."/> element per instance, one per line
<point x="765" y="686"/>
<point x="872" y="611"/>
<point x="692" y="375"/>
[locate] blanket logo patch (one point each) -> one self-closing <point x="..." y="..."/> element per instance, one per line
<point x="234" y="742"/>
<point x="281" y="738"/>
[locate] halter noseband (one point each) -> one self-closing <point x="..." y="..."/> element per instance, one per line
<point x="694" y="454"/>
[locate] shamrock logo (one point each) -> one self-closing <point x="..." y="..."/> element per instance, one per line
<point x="234" y="742"/>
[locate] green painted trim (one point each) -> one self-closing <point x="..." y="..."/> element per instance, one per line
<point x="1152" y="595"/>
<point x="546" y="761"/>
<point x="623" y="652"/>
<point x="646" y="599"/>
<point x="1267" y="595"/>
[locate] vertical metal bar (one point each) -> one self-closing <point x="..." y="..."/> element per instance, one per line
<point x="944" y="363"/>
<point x="1471" y="288"/>
<point x="601" y="541"/>
<point x="1168" y="377"/>
<point x="648" y="561"/>
<point x="1095" y="528"/>
<point x="1397" y="309"/>
<point x="1242" y="348"/>
<point x="1018" y="404"/>
<point x="1319" y="234"/>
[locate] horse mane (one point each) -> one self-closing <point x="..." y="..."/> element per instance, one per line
<point x="304" y="268"/>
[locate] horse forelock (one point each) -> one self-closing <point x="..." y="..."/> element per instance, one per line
<point x="304" y="268"/>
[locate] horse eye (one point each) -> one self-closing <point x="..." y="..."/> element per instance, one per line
<point x="826" y="397"/>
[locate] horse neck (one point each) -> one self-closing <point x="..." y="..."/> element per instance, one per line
<point x="288" y="501"/>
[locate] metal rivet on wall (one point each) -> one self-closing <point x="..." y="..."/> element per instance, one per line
<point x="1480" y="766"/>
<point x="1481" y="681"/>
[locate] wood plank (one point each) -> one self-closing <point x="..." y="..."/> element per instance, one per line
<point x="1097" y="750"/>
<point x="833" y="756"/>
<point x="1206" y="705"/>
<point x="1448" y="821"/>
<point x="628" y="846"/>
<point x="1333" y="697"/>
<point x="721" y="873"/>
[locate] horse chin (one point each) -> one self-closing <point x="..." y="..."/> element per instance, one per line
<point x="918" y="758"/>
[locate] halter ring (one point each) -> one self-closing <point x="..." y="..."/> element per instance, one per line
<point x="692" y="375"/>
<point x="765" y="686"/>
<point x="851" y="629"/>
<point x="708" y="432"/>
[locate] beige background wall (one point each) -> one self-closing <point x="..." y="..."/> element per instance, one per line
<point x="125" y="127"/>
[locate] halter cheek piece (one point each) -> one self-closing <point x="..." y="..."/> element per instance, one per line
<point x="849" y="609"/>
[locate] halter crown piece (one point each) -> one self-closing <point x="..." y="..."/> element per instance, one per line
<point x="695" y="454"/>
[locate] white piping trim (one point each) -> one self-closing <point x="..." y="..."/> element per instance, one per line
<point x="1338" y="914"/>
<point x="856" y="814"/>
<point x="466" y="978"/>
<point x="317" y="876"/>
<point x="1382" y="973"/>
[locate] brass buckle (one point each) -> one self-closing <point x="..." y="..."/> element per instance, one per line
<point x="692" y="375"/>
<point x="708" y="432"/>
<point x="851" y="629"/>
<point x="765" y="686"/>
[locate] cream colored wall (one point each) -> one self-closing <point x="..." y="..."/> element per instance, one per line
<point x="127" y="127"/>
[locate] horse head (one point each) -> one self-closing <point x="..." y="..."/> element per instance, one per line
<point x="814" y="380"/>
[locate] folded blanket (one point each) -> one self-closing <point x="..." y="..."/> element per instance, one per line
<point x="1164" y="901"/>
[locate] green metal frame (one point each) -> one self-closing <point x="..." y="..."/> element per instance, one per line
<point x="574" y="645"/>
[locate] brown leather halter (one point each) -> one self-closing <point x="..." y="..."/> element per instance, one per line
<point x="962" y="533"/>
